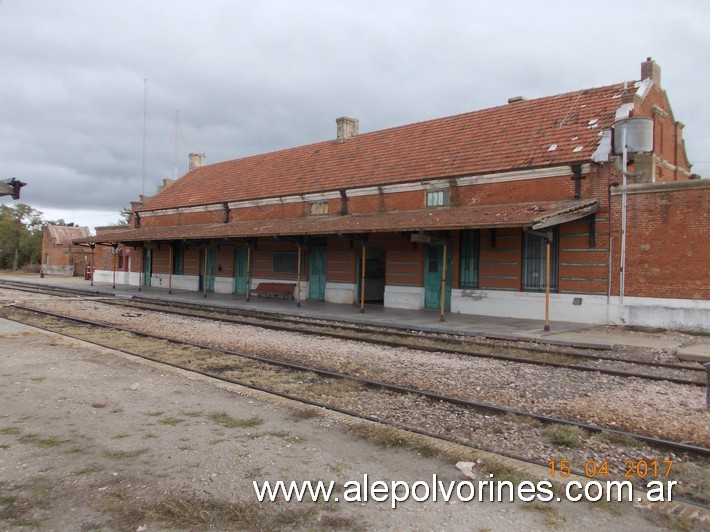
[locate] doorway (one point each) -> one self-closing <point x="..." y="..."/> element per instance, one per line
<point x="147" y="265"/>
<point x="433" y="270"/>
<point x="374" y="275"/>
<point x="317" y="268"/>
<point x="240" y="271"/>
<point x="208" y="276"/>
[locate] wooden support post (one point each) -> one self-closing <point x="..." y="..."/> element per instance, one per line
<point x="140" y="269"/>
<point x="115" y="247"/>
<point x="443" y="286"/>
<point x="248" y="282"/>
<point x="170" y="269"/>
<point x="93" y="246"/>
<point x="547" y="285"/>
<point x="298" y="278"/>
<point x="363" y="270"/>
<point x="204" y="272"/>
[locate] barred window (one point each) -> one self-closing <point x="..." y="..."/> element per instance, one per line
<point x="534" y="259"/>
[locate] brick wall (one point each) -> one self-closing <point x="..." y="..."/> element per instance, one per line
<point x="668" y="240"/>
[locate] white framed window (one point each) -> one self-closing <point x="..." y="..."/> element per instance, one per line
<point x="437" y="198"/>
<point x="318" y="208"/>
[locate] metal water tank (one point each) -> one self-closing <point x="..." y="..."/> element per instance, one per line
<point x="639" y="135"/>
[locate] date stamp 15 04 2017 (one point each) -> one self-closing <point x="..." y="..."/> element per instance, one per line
<point x="641" y="469"/>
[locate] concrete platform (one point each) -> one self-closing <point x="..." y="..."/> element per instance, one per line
<point x="560" y="333"/>
<point x="695" y="353"/>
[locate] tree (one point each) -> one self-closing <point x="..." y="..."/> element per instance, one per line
<point x="21" y="229"/>
<point x="124" y="216"/>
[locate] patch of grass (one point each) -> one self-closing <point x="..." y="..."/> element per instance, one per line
<point x="120" y="455"/>
<point x="502" y="470"/>
<point x="301" y="414"/>
<point x="218" y="441"/>
<point x="623" y="439"/>
<point x="117" y="411"/>
<point x="566" y="436"/>
<point x="337" y="467"/>
<point x="669" y="521"/>
<point x="695" y="483"/>
<point x="192" y="413"/>
<point x="171" y="420"/>
<point x="517" y="419"/>
<point x="120" y="436"/>
<point x="30" y="437"/>
<point x="338" y="522"/>
<point x="284" y="435"/>
<point x="38" y="379"/>
<point x="19" y="503"/>
<point x="11" y="431"/>
<point x="393" y="437"/>
<point x="645" y="329"/>
<point x="188" y="510"/>
<point x="154" y="414"/>
<point x="225" y="420"/>
<point x="552" y="515"/>
<point x="149" y="435"/>
<point x="77" y="450"/>
<point x="48" y="443"/>
<point x="4" y="446"/>
<point x="86" y="470"/>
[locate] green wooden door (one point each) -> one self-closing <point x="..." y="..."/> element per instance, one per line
<point x="240" y="271"/>
<point x="318" y="266"/>
<point x="147" y="265"/>
<point x="433" y="270"/>
<point x="211" y="269"/>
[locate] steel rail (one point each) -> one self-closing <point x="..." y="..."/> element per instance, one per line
<point x="273" y="320"/>
<point x="320" y="329"/>
<point x="466" y="403"/>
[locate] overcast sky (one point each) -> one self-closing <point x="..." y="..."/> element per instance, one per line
<point x="244" y="77"/>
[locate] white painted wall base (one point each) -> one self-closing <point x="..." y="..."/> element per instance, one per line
<point x="106" y="276"/>
<point x="343" y="293"/>
<point x="407" y="297"/>
<point x="680" y="314"/>
<point x="224" y="285"/>
<point x="64" y="271"/>
<point x="179" y="282"/>
<point x="579" y="308"/>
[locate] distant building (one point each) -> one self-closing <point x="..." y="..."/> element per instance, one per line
<point x="479" y="213"/>
<point x="59" y="255"/>
<point x="113" y="262"/>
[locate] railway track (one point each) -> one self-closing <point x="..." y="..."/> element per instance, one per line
<point x="689" y="373"/>
<point x="294" y="381"/>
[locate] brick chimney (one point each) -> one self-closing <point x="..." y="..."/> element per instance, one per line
<point x="649" y="69"/>
<point x="347" y="128"/>
<point x="196" y="160"/>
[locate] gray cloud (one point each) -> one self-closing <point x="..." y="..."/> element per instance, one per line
<point x="250" y="77"/>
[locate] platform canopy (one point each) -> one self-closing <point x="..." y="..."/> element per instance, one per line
<point x="534" y="215"/>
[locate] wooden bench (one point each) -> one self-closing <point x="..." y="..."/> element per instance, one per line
<point x="274" y="290"/>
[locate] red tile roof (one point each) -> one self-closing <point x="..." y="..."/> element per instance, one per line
<point x="518" y="135"/>
<point x="511" y="215"/>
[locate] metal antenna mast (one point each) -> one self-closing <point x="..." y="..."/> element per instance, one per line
<point x="145" y="144"/>
<point x="177" y="138"/>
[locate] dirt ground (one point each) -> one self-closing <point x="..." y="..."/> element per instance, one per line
<point x="91" y="439"/>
